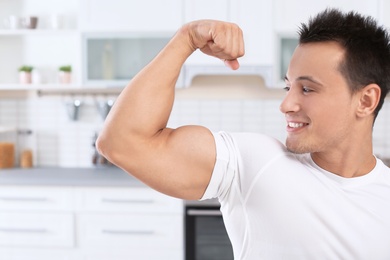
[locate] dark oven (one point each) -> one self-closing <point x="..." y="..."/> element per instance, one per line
<point x="205" y="233"/>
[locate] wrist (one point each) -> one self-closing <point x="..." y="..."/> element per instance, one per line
<point x="185" y="33"/>
<point x="182" y="41"/>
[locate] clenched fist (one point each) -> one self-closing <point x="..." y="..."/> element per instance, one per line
<point x="222" y="40"/>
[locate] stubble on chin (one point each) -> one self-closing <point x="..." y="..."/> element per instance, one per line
<point x="296" y="147"/>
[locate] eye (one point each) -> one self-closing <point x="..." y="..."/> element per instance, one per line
<point x="286" y="88"/>
<point x="306" y="89"/>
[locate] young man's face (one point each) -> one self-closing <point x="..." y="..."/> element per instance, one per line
<point x="318" y="106"/>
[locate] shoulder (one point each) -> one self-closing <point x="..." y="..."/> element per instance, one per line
<point x="258" y="139"/>
<point x="245" y="141"/>
<point x="384" y="169"/>
<point x="248" y="148"/>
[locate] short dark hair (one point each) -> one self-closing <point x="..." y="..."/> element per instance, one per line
<point x="366" y="44"/>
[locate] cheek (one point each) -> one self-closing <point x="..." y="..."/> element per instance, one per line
<point x="329" y="115"/>
<point x="332" y="119"/>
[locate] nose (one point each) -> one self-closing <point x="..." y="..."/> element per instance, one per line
<point x="290" y="102"/>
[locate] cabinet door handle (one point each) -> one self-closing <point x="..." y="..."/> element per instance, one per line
<point x="127" y="232"/>
<point x="145" y="201"/>
<point x="204" y="212"/>
<point x="24" y="230"/>
<point x="37" y="199"/>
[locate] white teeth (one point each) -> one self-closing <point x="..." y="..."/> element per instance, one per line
<point x="295" y="125"/>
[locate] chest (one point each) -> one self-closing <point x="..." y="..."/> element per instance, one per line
<point x="298" y="212"/>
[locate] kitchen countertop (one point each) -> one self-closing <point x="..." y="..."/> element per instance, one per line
<point x="92" y="177"/>
<point x="99" y="176"/>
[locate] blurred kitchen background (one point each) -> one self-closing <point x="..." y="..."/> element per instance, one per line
<point x="63" y="64"/>
<point x="106" y="42"/>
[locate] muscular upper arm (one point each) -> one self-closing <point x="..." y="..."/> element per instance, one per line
<point x="177" y="162"/>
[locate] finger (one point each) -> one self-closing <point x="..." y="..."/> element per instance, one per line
<point x="233" y="64"/>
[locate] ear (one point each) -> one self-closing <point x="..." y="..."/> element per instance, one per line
<point x="369" y="99"/>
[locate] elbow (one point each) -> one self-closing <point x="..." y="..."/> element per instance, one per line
<point x="100" y="144"/>
<point x="105" y="147"/>
<point x="116" y="148"/>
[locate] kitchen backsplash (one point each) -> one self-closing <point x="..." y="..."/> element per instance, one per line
<point x="59" y="141"/>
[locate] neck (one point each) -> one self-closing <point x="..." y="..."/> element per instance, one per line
<point x="352" y="161"/>
<point x="346" y="167"/>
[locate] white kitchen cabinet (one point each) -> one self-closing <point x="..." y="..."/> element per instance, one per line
<point x="205" y="9"/>
<point x="14" y="253"/>
<point x="131" y="15"/>
<point x="112" y="59"/>
<point x="255" y="19"/>
<point x="130" y="231"/>
<point x="290" y="14"/>
<point x="81" y="223"/>
<point x="58" y="38"/>
<point x="36" y="217"/>
<point x="384" y="10"/>
<point x="136" y="255"/>
<point x="131" y="221"/>
<point x="25" y="199"/>
<point x="134" y="200"/>
<point x="121" y="37"/>
<point x="31" y="229"/>
<point x="36" y="223"/>
<point x="142" y="22"/>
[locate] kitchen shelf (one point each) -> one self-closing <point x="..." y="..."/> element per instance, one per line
<point x="16" y="86"/>
<point x="61" y="89"/>
<point x="80" y="91"/>
<point x="37" y="32"/>
<point x="8" y="129"/>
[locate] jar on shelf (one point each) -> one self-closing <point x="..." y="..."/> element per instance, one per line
<point x="8" y="143"/>
<point x="25" y="148"/>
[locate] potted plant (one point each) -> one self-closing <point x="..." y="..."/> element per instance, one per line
<point x="65" y="73"/>
<point x="25" y="74"/>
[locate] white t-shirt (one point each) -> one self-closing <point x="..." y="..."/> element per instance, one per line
<point x="279" y="205"/>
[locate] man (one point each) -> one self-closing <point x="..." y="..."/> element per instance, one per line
<point x="322" y="196"/>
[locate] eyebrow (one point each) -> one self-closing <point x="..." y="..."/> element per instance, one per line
<point x="309" y="78"/>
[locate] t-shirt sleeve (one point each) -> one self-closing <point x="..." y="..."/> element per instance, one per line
<point x="225" y="167"/>
<point x="240" y="157"/>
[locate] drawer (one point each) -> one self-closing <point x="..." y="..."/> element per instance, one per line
<point x="17" y="253"/>
<point x="35" y="229"/>
<point x="135" y="231"/>
<point x="131" y="254"/>
<point x="35" y="198"/>
<point x="135" y="200"/>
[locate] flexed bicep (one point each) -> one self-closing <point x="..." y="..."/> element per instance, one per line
<point x="178" y="162"/>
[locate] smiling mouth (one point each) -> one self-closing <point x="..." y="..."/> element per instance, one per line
<point x="296" y="125"/>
